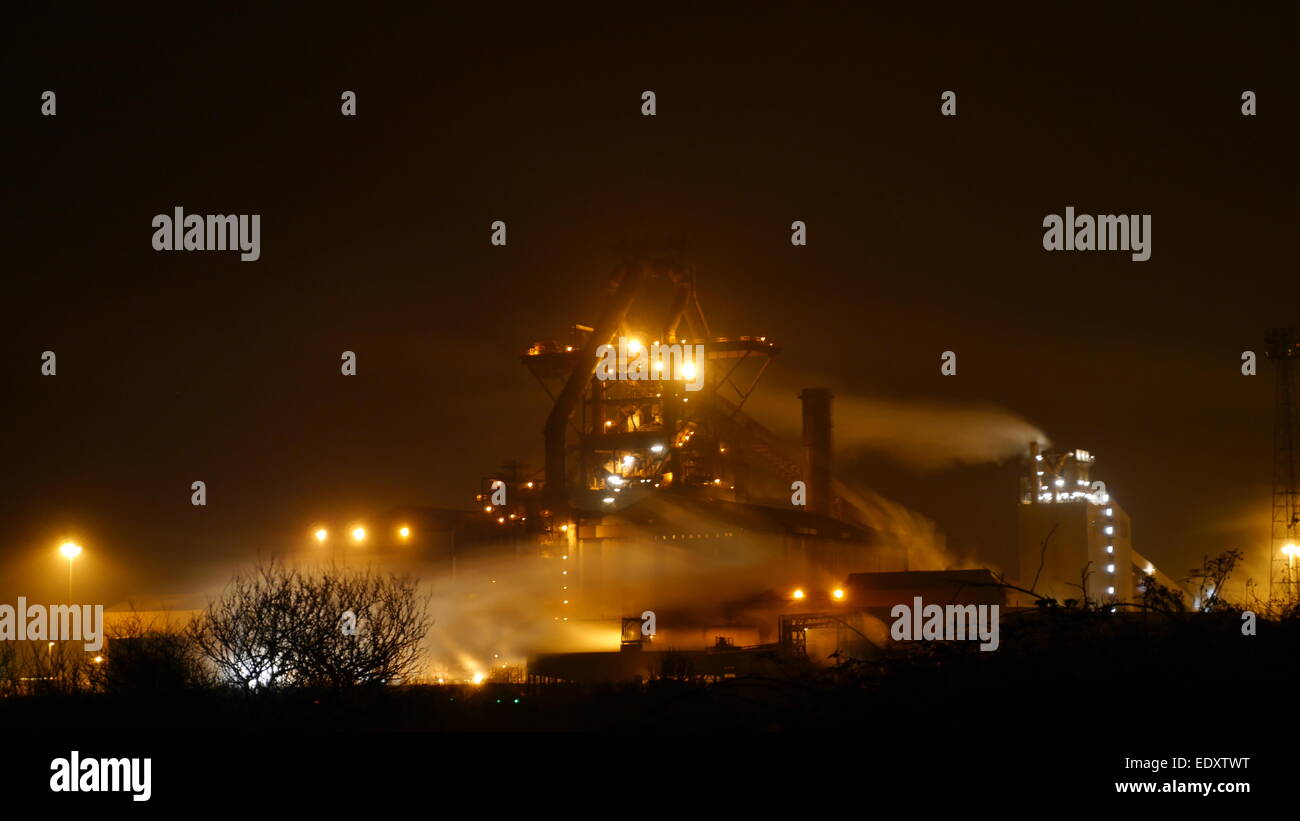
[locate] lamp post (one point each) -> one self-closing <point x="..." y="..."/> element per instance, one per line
<point x="70" y="550"/>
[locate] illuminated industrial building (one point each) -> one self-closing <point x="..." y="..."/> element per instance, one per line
<point x="1070" y="526"/>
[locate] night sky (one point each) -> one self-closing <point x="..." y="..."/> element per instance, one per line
<point x="924" y="235"/>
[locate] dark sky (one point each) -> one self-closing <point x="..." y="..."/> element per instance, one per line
<point x="924" y="236"/>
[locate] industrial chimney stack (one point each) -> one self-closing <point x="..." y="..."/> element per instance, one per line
<point x="817" y="448"/>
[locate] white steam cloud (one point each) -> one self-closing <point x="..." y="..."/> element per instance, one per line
<point x="930" y="436"/>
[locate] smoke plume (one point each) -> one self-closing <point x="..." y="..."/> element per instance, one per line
<point x="931" y="436"/>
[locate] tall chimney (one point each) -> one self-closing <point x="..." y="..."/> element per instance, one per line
<point x="817" y="448"/>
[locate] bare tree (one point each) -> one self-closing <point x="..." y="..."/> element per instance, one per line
<point x="1155" y="596"/>
<point x="275" y="627"/>
<point x="359" y="628"/>
<point x="1211" y="575"/>
<point x="246" y="633"/>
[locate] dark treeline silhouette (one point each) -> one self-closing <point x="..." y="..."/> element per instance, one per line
<point x="270" y="655"/>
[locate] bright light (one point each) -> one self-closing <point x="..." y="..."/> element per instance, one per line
<point x="687" y="371"/>
<point x="1059" y="483"/>
<point x="1288" y="550"/>
<point x="98" y="659"/>
<point x="564" y="528"/>
<point x="837" y="594"/>
<point x="1110" y="591"/>
<point x="616" y="481"/>
<point x="656" y="448"/>
<point x="1110" y="512"/>
<point x="629" y="461"/>
<point x="1110" y="548"/>
<point x="70" y="550"/>
<point x="487" y="508"/>
<point x="1110" y="568"/>
<point x="1110" y="531"/>
<point x="798" y="594"/>
<point x="634" y="345"/>
<point x="358" y="534"/>
<point x="1151" y="570"/>
<point x="404" y="532"/>
<point x="321" y="534"/>
<point x="609" y="500"/>
<point x="478" y="678"/>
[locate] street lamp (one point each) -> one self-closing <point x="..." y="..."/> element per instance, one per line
<point x="70" y="550"/>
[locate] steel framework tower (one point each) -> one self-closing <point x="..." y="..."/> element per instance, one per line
<point x="1283" y="347"/>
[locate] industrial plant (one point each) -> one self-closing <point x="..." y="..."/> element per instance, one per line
<point x="668" y="532"/>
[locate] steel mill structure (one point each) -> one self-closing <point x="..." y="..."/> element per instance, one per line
<point x="650" y="455"/>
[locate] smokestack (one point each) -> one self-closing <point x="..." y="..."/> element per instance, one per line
<point x="817" y="448"/>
